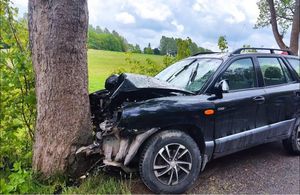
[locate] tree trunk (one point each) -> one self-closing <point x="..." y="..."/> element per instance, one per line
<point x="58" y="34"/>
<point x="277" y="35"/>
<point x="294" y="41"/>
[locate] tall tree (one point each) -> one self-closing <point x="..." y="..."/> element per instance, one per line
<point x="222" y="43"/>
<point x="281" y="15"/>
<point x="194" y="48"/>
<point x="58" y="34"/>
<point x="148" y="50"/>
<point x="137" y="49"/>
<point x="156" y="51"/>
<point x="98" y="29"/>
<point x="167" y="45"/>
<point x="183" y="48"/>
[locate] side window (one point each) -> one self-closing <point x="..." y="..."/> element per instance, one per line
<point x="273" y="71"/>
<point x="286" y="72"/>
<point x="295" y="64"/>
<point x="240" y="74"/>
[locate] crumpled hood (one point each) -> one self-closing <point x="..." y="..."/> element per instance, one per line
<point x="131" y="88"/>
<point x="134" y="82"/>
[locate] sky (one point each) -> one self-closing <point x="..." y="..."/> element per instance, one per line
<point x="146" y="21"/>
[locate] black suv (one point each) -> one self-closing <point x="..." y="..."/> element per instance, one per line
<point x="198" y="109"/>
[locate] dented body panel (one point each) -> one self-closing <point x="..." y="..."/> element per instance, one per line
<point x="173" y="110"/>
<point x="132" y="108"/>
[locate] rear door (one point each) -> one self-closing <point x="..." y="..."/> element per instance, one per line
<point x="282" y="100"/>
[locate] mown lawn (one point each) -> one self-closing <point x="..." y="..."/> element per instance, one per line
<point x="102" y="64"/>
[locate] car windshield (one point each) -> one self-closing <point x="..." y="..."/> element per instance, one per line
<point x="190" y="74"/>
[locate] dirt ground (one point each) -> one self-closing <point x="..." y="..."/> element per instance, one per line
<point x="265" y="169"/>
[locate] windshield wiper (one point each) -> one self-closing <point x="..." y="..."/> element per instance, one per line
<point x="193" y="75"/>
<point x="180" y="71"/>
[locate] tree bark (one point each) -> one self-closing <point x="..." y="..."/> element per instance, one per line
<point x="58" y="34"/>
<point x="294" y="41"/>
<point x="277" y="35"/>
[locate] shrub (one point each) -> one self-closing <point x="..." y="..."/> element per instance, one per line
<point x="149" y="68"/>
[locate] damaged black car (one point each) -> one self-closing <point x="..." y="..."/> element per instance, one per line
<point x="198" y="109"/>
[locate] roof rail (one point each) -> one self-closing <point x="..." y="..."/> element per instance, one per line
<point x="206" y="52"/>
<point x="271" y="50"/>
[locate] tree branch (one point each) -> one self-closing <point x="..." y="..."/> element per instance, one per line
<point x="294" y="41"/>
<point x="277" y="35"/>
<point x="26" y="121"/>
<point x="290" y="18"/>
<point x="13" y="31"/>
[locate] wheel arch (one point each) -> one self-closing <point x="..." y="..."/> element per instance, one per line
<point x="194" y="132"/>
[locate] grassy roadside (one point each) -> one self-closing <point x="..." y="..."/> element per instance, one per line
<point x="102" y="64"/>
<point x="100" y="184"/>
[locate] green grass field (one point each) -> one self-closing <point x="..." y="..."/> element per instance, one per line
<point x="102" y="64"/>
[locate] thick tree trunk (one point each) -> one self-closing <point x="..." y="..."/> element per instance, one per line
<point x="58" y="33"/>
<point x="294" y="41"/>
<point x="277" y="35"/>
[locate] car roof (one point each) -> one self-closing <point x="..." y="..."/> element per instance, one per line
<point x="210" y="55"/>
<point x="243" y="52"/>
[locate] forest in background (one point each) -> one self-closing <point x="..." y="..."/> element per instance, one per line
<point x="104" y="39"/>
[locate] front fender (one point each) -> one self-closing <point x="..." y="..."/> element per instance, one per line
<point x="163" y="112"/>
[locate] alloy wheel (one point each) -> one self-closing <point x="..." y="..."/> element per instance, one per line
<point x="172" y="164"/>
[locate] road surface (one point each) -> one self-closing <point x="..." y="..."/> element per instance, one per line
<point x="265" y="169"/>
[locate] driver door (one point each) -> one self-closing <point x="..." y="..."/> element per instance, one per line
<point x="235" y="122"/>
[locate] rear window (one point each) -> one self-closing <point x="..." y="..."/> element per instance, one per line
<point x="295" y="64"/>
<point x="274" y="73"/>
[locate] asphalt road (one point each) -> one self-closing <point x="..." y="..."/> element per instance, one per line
<point x="265" y="169"/>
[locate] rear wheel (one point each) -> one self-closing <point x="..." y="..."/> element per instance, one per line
<point x="292" y="144"/>
<point x="170" y="162"/>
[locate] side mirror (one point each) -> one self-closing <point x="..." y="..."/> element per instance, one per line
<point x="224" y="86"/>
<point x="220" y="88"/>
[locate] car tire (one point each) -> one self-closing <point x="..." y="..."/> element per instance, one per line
<point x="170" y="162"/>
<point x="292" y="144"/>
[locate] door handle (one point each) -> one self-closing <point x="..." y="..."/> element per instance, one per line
<point x="259" y="99"/>
<point x="297" y="93"/>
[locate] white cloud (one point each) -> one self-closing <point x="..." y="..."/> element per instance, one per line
<point x="231" y="11"/>
<point x="125" y="18"/>
<point x="197" y="6"/>
<point x="179" y="27"/>
<point x="200" y="5"/>
<point x="101" y="13"/>
<point x="154" y="9"/>
<point x="21" y="5"/>
<point x="212" y="46"/>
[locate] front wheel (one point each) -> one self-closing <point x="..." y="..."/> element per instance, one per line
<point x="292" y="144"/>
<point x="170" y="162"/>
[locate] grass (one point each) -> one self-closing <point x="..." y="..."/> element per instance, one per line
<point x="97" y="183"/>
<point x="100" y="184"/>
<point x="102" y="64"/>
